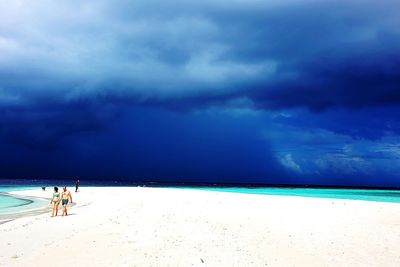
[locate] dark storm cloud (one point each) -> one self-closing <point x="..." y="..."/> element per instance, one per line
<point x="371" y="123"/>
<point x="313" y="54"/>
<point x="42" y="127"/>
<point x="182" y="55"/>
<point x="147" y="144"/>
<point x="354" y="82"/>
<point x="91" y="85"/>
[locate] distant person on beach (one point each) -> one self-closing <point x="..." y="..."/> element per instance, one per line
<point x="55" y="201"/>
<point x="65" y="196"/>
<point x="76" y="185"/>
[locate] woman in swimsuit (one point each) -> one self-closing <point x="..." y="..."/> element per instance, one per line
<point x="55" y="200"/>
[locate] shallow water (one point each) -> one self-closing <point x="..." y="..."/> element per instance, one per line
<point x="355" y="194"/>
<point x="9" y="201"/>
<point x="13" y="204"/>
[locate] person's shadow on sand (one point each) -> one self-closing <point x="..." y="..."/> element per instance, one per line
<point x="69" y="214"/>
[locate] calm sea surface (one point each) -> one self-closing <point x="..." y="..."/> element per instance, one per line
<point x="11" y="204"/>
<point x="355" y="194"/>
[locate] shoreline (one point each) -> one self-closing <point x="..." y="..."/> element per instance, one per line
<point x="26" y="194"/>
<point x="143" y="226"/>
<point x="22" y="194"/>
<point x="380" y="193"/>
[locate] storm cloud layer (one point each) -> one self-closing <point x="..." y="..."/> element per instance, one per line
<point x="325" y="53"/>
<point x="71" y="71"/>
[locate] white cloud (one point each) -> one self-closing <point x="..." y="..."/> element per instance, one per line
<point x="288" y="162"/>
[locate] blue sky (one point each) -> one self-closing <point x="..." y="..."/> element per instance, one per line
<point x="219" y="91"/>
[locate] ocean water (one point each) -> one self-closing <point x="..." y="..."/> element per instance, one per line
<point x="12" y="204"/>
<point x="354" y="194"/>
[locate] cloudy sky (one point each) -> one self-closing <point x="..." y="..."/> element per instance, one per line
<point x="220" y="91"/>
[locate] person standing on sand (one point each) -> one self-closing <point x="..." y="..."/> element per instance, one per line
<point x="55" y="200"/>
<point x="76" y="185"/>
<point x="65" y="196"/>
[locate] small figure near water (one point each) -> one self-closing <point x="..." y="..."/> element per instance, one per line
<point x="43" y="188"/>
<point x="65" y="195"/>
<point x="55" y="200"/>
<point x="76" y="185"/>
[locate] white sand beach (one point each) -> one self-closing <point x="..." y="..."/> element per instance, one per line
<point x="129" y="226"/>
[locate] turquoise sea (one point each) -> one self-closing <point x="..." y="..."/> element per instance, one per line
<point x="355" y="194"/>
<point x="11" y="204"/>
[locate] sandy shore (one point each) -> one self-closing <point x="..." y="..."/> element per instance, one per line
<point x="128" y="226"/>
